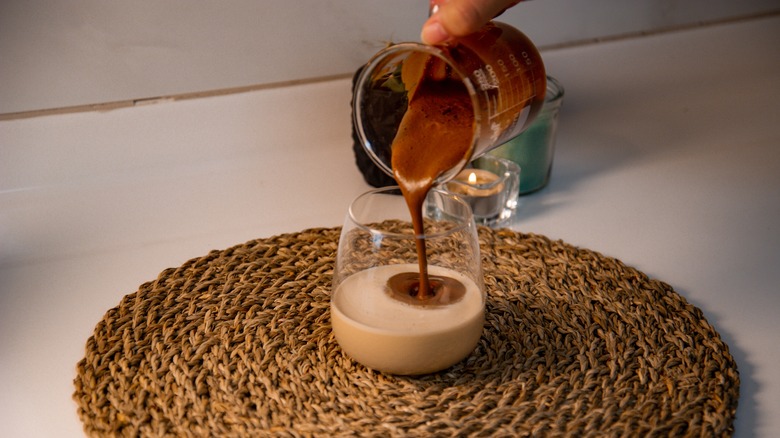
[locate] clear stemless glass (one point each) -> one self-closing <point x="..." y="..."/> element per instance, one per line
<point x="399" y="333"/>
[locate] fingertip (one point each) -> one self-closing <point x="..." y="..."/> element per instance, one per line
<point x="434" y="33"/>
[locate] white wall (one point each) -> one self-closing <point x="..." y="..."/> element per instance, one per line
<point x="57" y="53"/>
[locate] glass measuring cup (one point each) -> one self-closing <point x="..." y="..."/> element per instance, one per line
<point x="499" y="66"/>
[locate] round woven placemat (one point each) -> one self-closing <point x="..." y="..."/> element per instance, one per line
<point x="238" y="343"/>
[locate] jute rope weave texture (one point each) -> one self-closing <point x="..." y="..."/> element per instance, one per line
<point x="238" y="343"/>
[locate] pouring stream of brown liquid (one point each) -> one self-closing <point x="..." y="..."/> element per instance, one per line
<point x="435" y="134"/>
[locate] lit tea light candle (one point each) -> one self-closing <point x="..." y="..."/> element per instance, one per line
<point x="393" y="336"/>
<point x="481" y="189"/>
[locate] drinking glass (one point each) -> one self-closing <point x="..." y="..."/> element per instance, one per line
<point x="400" y="333"/>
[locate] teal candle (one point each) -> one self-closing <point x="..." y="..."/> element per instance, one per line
<point x="533" y="150"/>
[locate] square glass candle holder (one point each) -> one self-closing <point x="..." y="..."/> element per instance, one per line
<point x="533" y="149"/>
<point x="490" y="187"/>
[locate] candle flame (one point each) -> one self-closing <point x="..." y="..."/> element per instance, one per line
<point x="472" y="178"/>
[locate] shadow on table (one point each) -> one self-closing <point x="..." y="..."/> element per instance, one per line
<point x="576" y="162"/>
<point x="590" y="142"/>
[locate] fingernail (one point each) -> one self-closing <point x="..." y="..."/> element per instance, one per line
<point x="434" y="33"/>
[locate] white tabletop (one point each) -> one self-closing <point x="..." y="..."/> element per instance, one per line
<point x="668" y="156"/>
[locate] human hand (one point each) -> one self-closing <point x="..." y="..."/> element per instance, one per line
<point x="457" y="18"/>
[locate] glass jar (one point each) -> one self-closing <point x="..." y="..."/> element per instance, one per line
<point x="533" y="150"/>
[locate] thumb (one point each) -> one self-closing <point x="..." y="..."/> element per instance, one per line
<point x="457" y="18"/>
